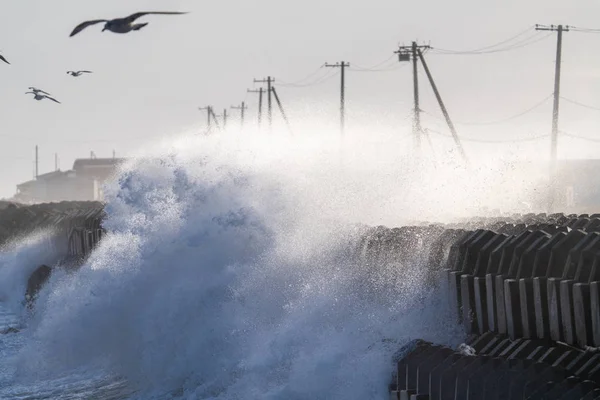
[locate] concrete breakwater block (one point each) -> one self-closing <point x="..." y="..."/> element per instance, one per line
<point x="534" y="284"/>
<point x="500" y="368"/>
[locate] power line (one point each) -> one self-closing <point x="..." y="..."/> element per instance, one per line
<point x="374" y="67"/>
<point x="501" y="121"/>
<point x="315" y="72"/>
<point x="580" y="104"/>
<point x="589" y="139"/>
<point x="585" y="30"/>
<point x="318" y="81"/>
<point x="521" y="33"/>
<point x="396" y="67"/>
<point x="496" y="141"/>
<point x="518" y="45"/>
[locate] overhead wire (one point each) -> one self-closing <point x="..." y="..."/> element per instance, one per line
<point x="497" y="122"/>
<point x="528" y="29"/>
<point x="374" y="67"/>
<point x="315" y="72"/>
<point x="589" y="139"/>
<point x="584" y="30"/>
<point x="580" y="104"/>
<point x="318" y="81"/>
<point x="476" y="140"/>
<point x="528" y="41"/>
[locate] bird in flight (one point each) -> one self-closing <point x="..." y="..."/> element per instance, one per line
<point x="37" y="91"/>
<point x="122" y="25"/>
<point x="38" y="96"/>
<point x="77" y="73"/>
<point x="3" y="59"/>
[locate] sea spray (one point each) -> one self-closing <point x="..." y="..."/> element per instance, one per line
<point x="228" y="272"/>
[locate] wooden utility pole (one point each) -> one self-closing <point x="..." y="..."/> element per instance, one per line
<point x="269" y="81"/>
<point x="342" y="65"/>
<point x="260" y="101"/>
<point x="555" y="108"/>
<point x="242" y="109"/>
<point x="406" y="53"/>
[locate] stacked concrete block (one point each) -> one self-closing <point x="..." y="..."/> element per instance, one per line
<point x="498" y="368"/>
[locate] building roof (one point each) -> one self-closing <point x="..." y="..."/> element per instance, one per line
<point x="51" y="175"/>
<point x="97" y="162"/>
<point x="26" y="184"/>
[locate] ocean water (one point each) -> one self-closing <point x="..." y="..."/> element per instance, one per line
<point x="229" y="271"/>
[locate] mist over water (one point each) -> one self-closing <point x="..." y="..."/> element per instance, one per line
<point x="228" y="272"/>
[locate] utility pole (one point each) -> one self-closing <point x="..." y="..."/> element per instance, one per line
<point x="208" y="113"/>
<point x="554" y="138"/>
<point x="242" y="109"/>
<point x="406" y="53"/>
<point x="260" y="101"/>
<point x="342" y="65"/>
<point x="37" y="162"/>
<point x="281" y="109"/>
<point x="269" y="81"/>
<point x="443" y="107"/>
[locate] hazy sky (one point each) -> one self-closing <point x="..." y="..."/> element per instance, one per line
<point x="150" y="83"/>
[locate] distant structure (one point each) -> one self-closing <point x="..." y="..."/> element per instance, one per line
<point x="577" y="184"/>
<point x="82" y="183"/>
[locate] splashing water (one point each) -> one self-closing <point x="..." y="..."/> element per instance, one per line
<point x="227" y="273"/>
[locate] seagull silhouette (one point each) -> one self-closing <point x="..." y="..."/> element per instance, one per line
<point x="77" y="73"/>
<point x="122" y="25"/>
<point x="37" y="96"/>
<point x="3" y="59"/>
<point x="37" y="91"/>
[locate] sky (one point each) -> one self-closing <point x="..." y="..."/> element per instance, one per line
<point x="149" y="84"/>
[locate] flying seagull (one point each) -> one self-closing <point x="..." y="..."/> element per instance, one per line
<point x="122" y="25"/>
<point x="38" y="91"/>
<point x="37" y="96"/>
<point x="3" y="59"/>
<point x="77" y="73"/>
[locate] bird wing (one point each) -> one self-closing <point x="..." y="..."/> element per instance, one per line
<point x="54" y="100"/>
<point x="46" y="93"/>
<point x="87" y="72"/>
<point x="137" y="15"/>
<point x="3" y="59"/>
<point x="85" y="24"/>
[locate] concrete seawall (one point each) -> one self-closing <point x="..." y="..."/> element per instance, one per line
<point x="525" y="288"/>
<point x="527" y="292"/>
